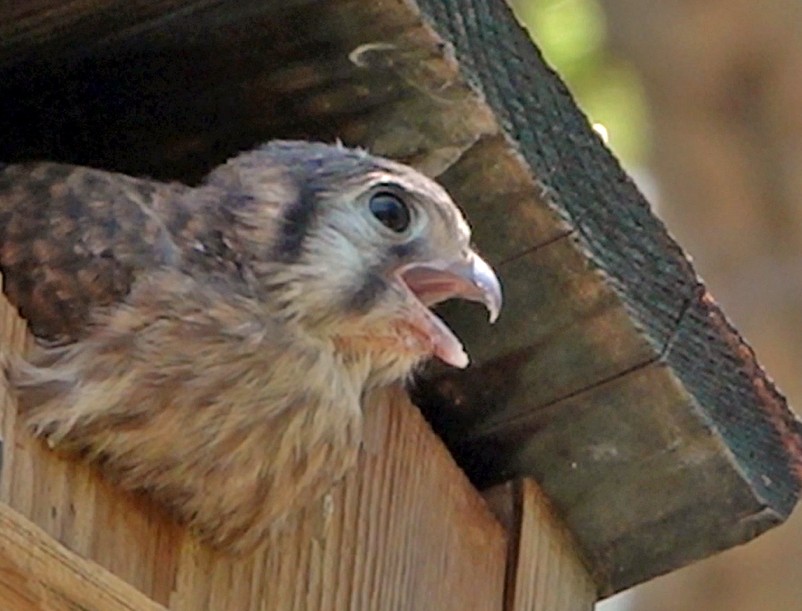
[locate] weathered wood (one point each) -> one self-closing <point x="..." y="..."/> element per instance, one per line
<point x="37" y="573"/>
<point x="544" y="570"/>
<point x="563" y="330"/>
<point x="647" y="456"/>
<point x="505" y="203"/>
<point x="726" y="190"/>
<point x="599" y="298"/>
<point x="190" y="77"/>
<point x="405" y="530"/>
<point x="710" y="386"/>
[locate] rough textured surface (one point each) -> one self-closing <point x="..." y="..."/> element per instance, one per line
<point x="611" y="369"/>
<point x="714" y="377"/>
<point x="727" y="155"/>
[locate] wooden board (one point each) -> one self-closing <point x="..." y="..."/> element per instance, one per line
<point x="36" y="574"/>
<point x="405" y="530"/>
<point x="544" y="569"/>
<point x="599" y="297"/>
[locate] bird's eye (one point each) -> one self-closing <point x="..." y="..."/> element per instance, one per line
<point x="390" y="211"/>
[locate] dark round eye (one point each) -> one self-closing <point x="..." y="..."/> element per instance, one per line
<point x="390" y="210"/>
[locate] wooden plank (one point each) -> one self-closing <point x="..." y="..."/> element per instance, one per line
<point x="38" y="573"/>
<point x="290" y="69"/>
<point x="60" y="496"/>
<point x="709" y="372"/>
<point x="606" y="438"/>
<point x="505" y="202"/>
<point x="554" y="341"/>
<point x="599" y="296"/>
<point x="405" y="530"/>
<point x="545" y="570"/>
<point x="402" y="533"/>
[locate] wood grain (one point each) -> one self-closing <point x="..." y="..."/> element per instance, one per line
<point x="545" y="571"/>
<point x="405" y="530"/>
<point x="662" y="324"/>
<point x="550" y="575"/>
<point x="36" y="573"/>
<point x="402" y="533"/>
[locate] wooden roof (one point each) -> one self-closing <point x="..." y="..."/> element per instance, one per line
<point x="612" y="376"/>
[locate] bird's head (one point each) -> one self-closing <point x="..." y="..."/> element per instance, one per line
<point x="362" y="248"/>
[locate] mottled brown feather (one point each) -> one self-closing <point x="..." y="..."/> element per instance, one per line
<point x="74" y="238"/>
<point x="139" y="290"/>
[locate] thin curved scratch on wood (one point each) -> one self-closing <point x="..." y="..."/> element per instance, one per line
<point x="357" y="56"/>
<point x="428" y="73"/>
<point x="426" y="67"/>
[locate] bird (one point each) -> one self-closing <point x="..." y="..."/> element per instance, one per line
<point x="210" y="346"/>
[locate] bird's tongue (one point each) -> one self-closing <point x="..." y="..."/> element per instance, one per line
<point x="432" y="286"/>
<point x="445" y="344"/>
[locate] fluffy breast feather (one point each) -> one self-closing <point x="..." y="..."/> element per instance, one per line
<point x="230" y="451"/>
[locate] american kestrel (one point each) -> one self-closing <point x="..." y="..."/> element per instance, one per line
<point x="210" y="346"/>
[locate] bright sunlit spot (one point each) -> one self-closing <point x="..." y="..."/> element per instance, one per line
<point x="602" y="131"/>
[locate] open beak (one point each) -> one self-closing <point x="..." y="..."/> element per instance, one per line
<point x="433" y="282"/>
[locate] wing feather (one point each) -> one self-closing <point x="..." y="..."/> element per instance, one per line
<point x="73" y="239"/>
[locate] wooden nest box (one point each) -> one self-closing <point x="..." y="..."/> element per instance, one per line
<point x="616" y="424"/>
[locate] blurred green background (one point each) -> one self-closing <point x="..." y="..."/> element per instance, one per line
<point x="572" y="35"/>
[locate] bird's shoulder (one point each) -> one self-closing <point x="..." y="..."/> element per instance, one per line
<point x="73" y="239"/>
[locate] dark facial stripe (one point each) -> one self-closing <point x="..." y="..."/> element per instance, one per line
<point x="405" y="250"/>
<point x="366" y="295"/>
<point x="298" y="218"/>
<point x="375" y="283"/>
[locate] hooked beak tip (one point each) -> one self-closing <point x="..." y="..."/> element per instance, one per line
<point x="488" y="285"/>
<point x="469" y="278"/>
